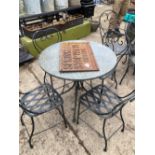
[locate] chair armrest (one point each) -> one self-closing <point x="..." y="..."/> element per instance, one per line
<point x="129" y="97"/>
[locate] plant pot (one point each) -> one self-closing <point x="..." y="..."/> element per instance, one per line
<point x="32" y="6"/>
<point x="94" y="26"/>
<point x="47" y="5"/>
<point x="61" y="4"/>
<point x="88" y="10"/>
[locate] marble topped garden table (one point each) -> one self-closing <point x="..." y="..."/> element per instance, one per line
<point x="104" y="56"/>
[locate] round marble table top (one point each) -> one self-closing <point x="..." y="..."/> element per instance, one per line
<point x="104" y="56"/>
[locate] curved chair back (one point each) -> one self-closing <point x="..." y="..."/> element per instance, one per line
<point x="124" y="100"/>
<point x="130" y="37"/>
<point x="43" y="38"/>
<point x="104" y="21"/>
<point x="116" y="43"/>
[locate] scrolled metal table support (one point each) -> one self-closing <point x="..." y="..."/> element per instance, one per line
<point x="63" y="87"/>
<point x="65" y="91"/>
<point x="78" y="113"/>
<point x="78" y="85"/>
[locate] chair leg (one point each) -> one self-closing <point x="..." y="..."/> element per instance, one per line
<point x="33" y="126"/>
<point x="78" y="113"/>
<point x="122" y="120"/>
<point x="105" y="139"/>
<point x="124" y="74"/>
<point x="21" y="119"/>
<point x="123" y="62"/>
<point x="133" y="71"/>
<point x="75" y="101"/>
<point x="114" y="75"/>
<point x="63" y="116"/>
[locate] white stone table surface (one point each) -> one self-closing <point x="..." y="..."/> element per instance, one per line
<point x="105" y="58"/>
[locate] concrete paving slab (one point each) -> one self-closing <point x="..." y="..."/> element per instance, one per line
<point x="26" y="80"/>
<point x="57" y="141"/>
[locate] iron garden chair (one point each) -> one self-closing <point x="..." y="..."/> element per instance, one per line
<point x="102" y="101"/>
<point x="42" y="39"/>
<point x="114" y="40"/>
<point x="130" y="37"/>
<point x="39" y="101"/>
<point x="117" y="42"/>
<point x="45" y="37"/>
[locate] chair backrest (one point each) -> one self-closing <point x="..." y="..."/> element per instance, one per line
<point x="104" y="22"/>
<point x="45" y="37"/>
<point x="124" y="100"/>
<point x="116" y="43"/>
<point x="130" y="37"/>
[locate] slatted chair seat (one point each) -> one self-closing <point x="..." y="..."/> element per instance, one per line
<point x="37" y="101"/>
<point x="100" y="100"/>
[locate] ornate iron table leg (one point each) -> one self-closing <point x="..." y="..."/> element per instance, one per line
<point x="31" y="146"/>
<point x="76" y="95"/>
<point x="81" y="85"/>
<point x="101" y="89"/>
<point x="105" y="139"/>
<point x="78" y="113"/>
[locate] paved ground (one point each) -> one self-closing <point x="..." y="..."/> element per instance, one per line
<point x="82" y="139"/>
